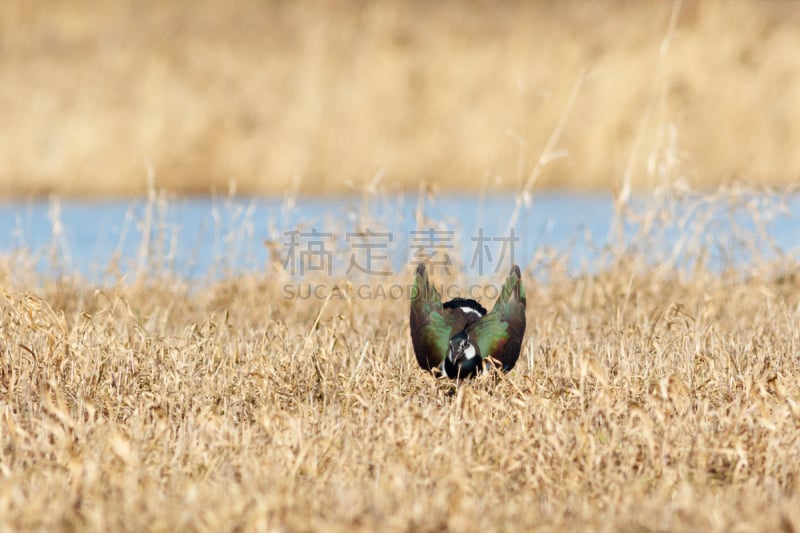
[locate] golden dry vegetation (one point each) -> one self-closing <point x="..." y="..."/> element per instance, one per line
<point x="323" y="96"/>
<point x="655" y="390"/>
<point x="647" y="398"/>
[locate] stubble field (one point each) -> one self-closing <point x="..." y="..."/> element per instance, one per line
<point x="646" y="398"/>
<point x="653" y="392"/>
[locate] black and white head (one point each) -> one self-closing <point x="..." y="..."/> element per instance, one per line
<point x="463" y="358"/>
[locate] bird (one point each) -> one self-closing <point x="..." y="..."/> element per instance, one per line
<point x="455" y="338"/>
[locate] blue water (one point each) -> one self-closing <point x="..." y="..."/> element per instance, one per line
<point x="214" y="237"/>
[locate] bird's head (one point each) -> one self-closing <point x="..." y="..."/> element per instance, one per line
<point x="463" y="358"/>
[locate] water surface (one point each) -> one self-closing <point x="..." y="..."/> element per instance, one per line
<point x="202" y="237"/>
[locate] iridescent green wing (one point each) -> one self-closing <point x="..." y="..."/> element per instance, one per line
<point x="431" y="327"/>
<point x="499" y="334"/>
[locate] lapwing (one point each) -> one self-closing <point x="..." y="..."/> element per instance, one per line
<point x="457" y="337"/>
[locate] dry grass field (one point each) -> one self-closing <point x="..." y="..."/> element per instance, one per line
<point x="656" y="391"/>
<point x="647" y="398"/>
<point x="323" y="96"/>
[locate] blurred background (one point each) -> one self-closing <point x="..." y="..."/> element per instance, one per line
<point x="315" y="97"/>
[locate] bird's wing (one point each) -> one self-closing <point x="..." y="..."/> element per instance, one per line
<point x="499" y="334"/>
<point x="431" y="326"/>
